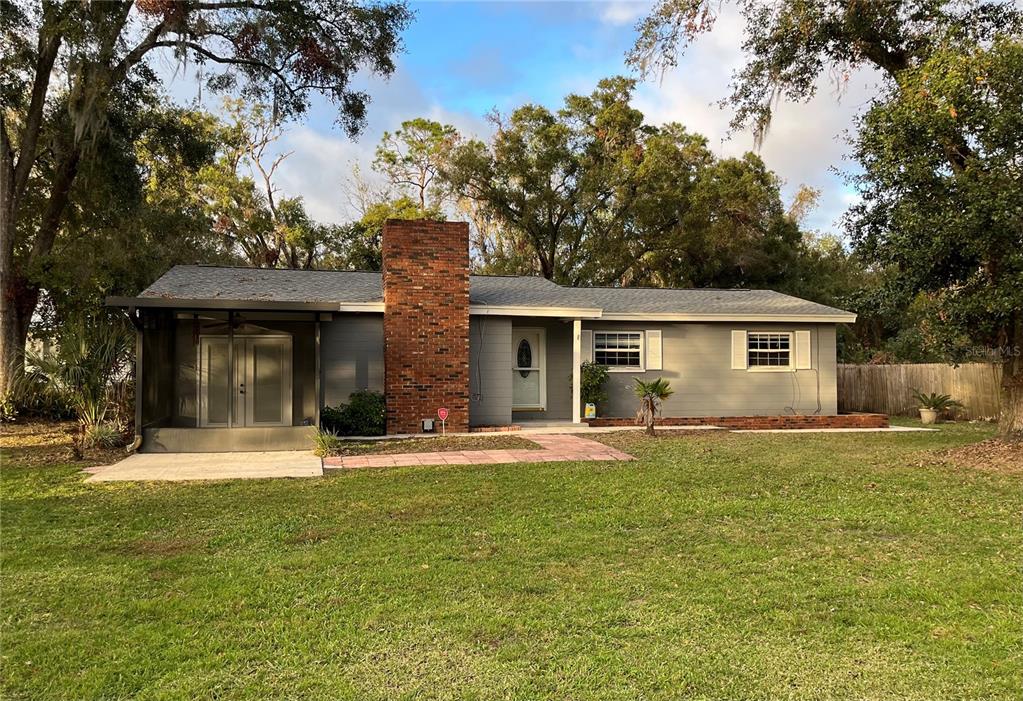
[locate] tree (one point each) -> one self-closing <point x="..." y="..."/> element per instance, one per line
<point x="730" y="230"/>
<point x="66" y="64"/>
<point x="133" y="212"/>
<point x="266" y="228"/>
<point x="411" y="157"/>
<point x="651" y="395"/>
<point x="591" y="194"/>
<point x="558" y="182"/>
<point x="789" y="44"/>
<point x="953" y="232"/>
<point x="357" y="245"/>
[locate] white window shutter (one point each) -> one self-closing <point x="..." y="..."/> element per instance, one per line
<point x="586" y="343"/>
<point x="653" y="349"/>
<point x="802" y="350"/>
<point x="739" y="350"/>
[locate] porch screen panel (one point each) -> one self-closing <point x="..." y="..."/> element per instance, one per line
<point x="218" y="386"/>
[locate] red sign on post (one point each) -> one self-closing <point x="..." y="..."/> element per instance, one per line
<point x="442" y="413"/>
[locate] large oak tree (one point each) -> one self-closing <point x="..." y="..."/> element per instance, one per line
<point x="66" y="63"/>
<point x="592" y="194"/>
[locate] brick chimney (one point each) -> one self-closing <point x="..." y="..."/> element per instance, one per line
<point x="426" y="323"/>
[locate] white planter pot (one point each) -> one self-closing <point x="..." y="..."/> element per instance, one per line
<point x="928" y="416"/>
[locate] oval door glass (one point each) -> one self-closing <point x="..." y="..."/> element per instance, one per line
<point x="524" y="357"/>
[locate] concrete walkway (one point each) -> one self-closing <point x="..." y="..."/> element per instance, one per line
<point x="179" y="467"/>
<point x="556" y="448"/>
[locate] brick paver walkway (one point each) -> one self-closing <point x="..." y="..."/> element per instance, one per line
<point x="557" y="447"/>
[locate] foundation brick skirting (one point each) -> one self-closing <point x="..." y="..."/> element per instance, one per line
<point x="426" y="323"/>
<point x="762" y="422"/>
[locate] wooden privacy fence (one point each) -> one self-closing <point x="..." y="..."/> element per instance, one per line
<point x="888" y="389"/>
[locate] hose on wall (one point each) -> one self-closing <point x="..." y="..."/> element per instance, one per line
<point x="797" y="390"/>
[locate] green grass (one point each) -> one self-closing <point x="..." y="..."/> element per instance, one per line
<point x="723" y="566"/>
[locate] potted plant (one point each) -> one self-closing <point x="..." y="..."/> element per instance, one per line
<point x="651" y="394"/>
<point x="932" y="405"/>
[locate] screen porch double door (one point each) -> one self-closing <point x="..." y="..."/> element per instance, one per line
<point x="257" y="379"/>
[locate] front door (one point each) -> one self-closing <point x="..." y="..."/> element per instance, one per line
<point x="529" y="379"/>
<point x="260" y="388"/>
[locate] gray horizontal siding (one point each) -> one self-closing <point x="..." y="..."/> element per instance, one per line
<point x="351" y="356"/>
<point x="697" y="362"/>
<point x="490" y="378"/>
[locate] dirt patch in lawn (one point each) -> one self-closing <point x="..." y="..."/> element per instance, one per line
<point x="435" y="445"/>
<point x="41" y="443"/>
<point x="994" y="455"/>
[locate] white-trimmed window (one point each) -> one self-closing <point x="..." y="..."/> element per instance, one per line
<point x="768" y="350"/>
<point x="619" y="350"/>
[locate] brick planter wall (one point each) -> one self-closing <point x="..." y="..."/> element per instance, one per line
<point x="426" y="323"/>
<point x="762" y="422"/>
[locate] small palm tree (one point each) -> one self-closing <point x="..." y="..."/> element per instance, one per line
<point x="90" y="354"/>
<point x="651" y="394"/>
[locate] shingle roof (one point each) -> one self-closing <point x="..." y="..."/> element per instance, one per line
<point x="266" y="285"/>
<point x="336" y="286"/>
<point x="626" y="300"/>
<point x="201" y="282"/>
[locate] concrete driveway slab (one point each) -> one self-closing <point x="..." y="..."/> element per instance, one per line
<point x="178" y="467"/>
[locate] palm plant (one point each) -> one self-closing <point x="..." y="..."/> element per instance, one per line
<point x="90" y="353"/>
<point x="651" y="394"/>
<point x="935" y="402"/>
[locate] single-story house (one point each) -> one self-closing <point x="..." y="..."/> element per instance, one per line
<point x="242" y="358"/>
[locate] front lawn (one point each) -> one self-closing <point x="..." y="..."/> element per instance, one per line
<point x="725" y="566"/>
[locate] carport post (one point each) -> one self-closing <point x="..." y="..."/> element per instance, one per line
<point x="230" y="369"/>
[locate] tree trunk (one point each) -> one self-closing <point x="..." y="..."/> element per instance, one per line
<point x="1010" y="420"/>
<point x="14" y="320"/>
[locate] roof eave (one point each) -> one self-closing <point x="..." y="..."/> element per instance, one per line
<point x="223" y="304"/>
<point x="836" y="318"/>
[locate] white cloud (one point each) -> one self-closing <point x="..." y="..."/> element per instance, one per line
<point x="623" y="12"/>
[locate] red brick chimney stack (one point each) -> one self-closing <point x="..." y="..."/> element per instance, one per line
<point x="426" y="323"/>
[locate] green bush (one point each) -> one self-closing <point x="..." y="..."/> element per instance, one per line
<point x="331" y="417"/>
<point x="33" y="397"/>
<point x="594" y="377"/>
<point x="363" y="415"/>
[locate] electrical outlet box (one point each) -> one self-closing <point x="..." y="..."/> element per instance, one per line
<point x="428" y="426"/>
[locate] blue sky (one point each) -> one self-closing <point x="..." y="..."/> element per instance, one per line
<point x="463" y="59"/>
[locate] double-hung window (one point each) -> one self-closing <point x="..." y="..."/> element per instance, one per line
<point x="769" y="350"/>
<point x="618" y="350"/>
